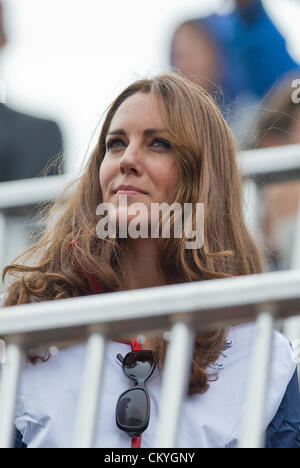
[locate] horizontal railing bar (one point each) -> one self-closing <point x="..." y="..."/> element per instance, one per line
<point x="30" y="192"/>
<point x="221" y="301"/>
<point x="266" y="160"/>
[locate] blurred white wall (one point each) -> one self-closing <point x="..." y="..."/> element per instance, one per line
<point x="67" y="59"/>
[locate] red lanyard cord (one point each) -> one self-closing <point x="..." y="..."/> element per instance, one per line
<point x="135" y="346"/>
<point x="136" y="441"/>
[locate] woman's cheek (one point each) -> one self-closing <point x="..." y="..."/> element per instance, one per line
<point x="170" y="179"/>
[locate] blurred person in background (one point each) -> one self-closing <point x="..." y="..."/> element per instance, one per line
<point x="279" y="125"/>
<point x="241" y="54"/>
<point x="27" y="144"/>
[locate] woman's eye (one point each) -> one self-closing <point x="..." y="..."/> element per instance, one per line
<point x="158" y="143"/>
<point x="114" y="143"/>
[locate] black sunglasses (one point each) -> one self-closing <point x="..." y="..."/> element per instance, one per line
<point x="133" y="406"/>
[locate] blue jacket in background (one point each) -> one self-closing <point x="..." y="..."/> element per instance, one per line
<point x="253" y="52"/>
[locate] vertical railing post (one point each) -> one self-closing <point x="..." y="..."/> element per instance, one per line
<point x="175" y="380"/>
<point x="251" y="205"/>
<point x="9" y="380"/>
<point x="252" y="424"/>
<point x="87" y="409"/>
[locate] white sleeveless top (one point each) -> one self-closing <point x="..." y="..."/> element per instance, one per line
<point x="48" y="394"/>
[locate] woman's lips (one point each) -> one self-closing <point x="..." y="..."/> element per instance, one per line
<point x="129" y="192"/>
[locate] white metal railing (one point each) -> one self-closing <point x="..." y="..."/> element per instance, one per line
<point x="29" y="192"/>
<point x="183" y="308"/>
<point x="269" y="160"/>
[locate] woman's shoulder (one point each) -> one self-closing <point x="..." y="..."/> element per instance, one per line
<point x="235" y="361"/>
<point x="241" y="339"/>
<point x="283" y="362"/>
<point x="282" y="411"/>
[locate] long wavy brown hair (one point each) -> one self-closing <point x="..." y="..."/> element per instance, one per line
<point x="206" y="158"/>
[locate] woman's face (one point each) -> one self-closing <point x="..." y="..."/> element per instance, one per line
<point x="138" y="155"/>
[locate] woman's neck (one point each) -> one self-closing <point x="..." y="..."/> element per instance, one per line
<point x="141" y="269"/>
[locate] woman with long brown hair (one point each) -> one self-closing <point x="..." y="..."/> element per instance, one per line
<point x="163" y="141"/>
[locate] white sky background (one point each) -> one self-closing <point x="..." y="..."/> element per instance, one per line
<point x="68" y="59"/>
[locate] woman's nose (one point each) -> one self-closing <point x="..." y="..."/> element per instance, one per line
<point x="130" y="162"/>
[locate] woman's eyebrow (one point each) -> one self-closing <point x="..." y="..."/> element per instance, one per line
<point x="154" y="131"/>
<point x="117" y="132"/>
<point x="146" y="132"/>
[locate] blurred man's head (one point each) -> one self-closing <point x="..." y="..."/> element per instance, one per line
<point x="194" y="54"/>
<point x="2" y="33"/>
<point x="279" y="123"/>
